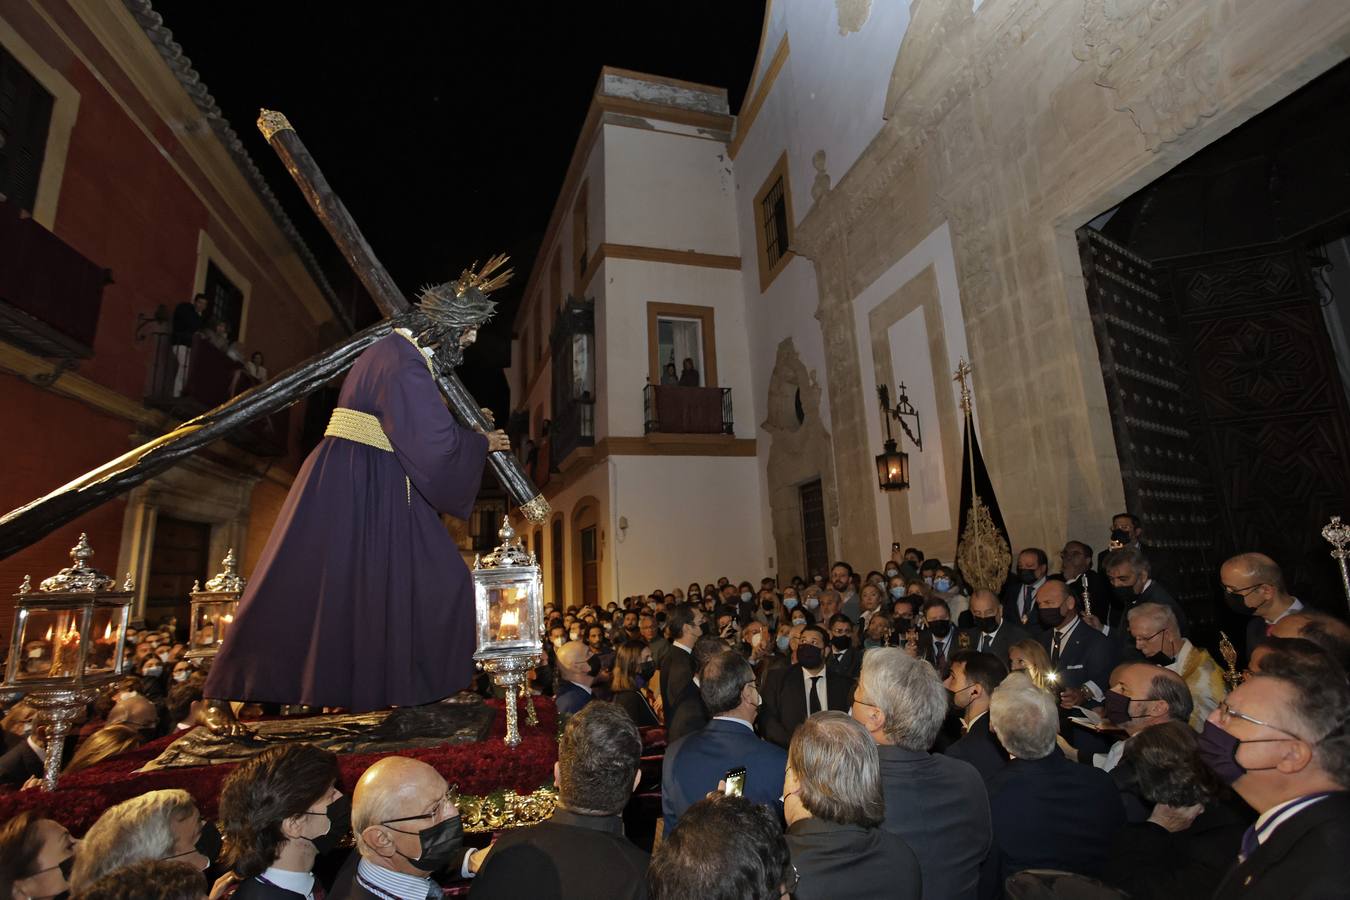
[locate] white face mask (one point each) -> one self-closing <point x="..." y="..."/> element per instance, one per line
<point x="756" y="639"/>
<point x="180" y="676"/>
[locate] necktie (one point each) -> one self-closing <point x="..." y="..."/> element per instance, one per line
<point x="1249" y="844"/>
<point x="813" y="706"/>
<point x="1026" y="603"/>
<point x="1054" y="647"/>
<point x="939" y="656"/>
<point x="984" y="642"/>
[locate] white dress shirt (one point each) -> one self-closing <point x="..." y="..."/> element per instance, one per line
<point x="821" y="694"/>
<point x="297" y="882"/>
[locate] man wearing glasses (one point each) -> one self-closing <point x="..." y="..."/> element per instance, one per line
<point x="406" y="827"/>
<point x="1282" y="740"/>
<point x="1254" y="585"/>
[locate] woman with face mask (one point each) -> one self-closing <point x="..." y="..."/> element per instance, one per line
<point x="280" y="810"/>
<point x="770" y="610"/>
<point x="36" y="856"/>
<point x="633" y="672"/>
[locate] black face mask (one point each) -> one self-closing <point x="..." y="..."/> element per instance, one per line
<point x="339" y="815"/>
<point x="986" y="624"/>
<point x="1120" y="536"/>
<point x="439" y="844"/>
<point x="647" y="670"/>
<point x="810" y="656"/>
<point x="766" y="605"/>
<point x="1237" y="604"/>
<point x="940" y="628"/>
<point x="903" y="624"/>
<point x="1160" y="659"/>
<point x="593" y="666"/>
<point x="1026" y="576"/>
<point x="208" y="844"/>
<point x="841" y="643"/>
<point x="1049" y="616"/>
<point x="1124" y="593"/>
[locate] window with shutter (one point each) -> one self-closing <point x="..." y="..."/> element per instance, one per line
<point x="25" y="115"/>
<point x="224" y="300"/>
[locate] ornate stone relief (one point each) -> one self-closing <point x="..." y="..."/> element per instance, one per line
<point x="1157" y="56"/>
<point x="821" y="186"/>
<point x="852" y="15"/>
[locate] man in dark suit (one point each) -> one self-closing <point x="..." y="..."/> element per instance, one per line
<point x="1126" y="531"/>
<point x="581" y="851"/>
<point x="936" y="803"/>
<point x="972" y="681"/>
<point x="22" y="762"/>
<point x="1019" y="594"/>
<point x="1080" y="655"/>
<point x="1282" y="739"/>
<point x="939" y="640"/>
<point x="575" y="677"/>
<point x="1048" y="812"/>
<point x="692" y="714"/>
<point x="1132" y="583"/>
<point x="1254" y="586"/>
<point x="685" y="626"/>
<point x="845" y="657"/>
<point x="993" y="632"/>
<point x="406" y="828"/>
<point x="1087" y="584"/>
<point x="695" y="764"/>
<point x="793" y="693"/>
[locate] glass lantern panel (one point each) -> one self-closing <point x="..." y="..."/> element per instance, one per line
<point x="50" y="644"/>
<point x="106" y="632"/>
<point x="211" y="621"/>
<point x="508" y="615"/>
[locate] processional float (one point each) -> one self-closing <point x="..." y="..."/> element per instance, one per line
<point x="29" y="523"/>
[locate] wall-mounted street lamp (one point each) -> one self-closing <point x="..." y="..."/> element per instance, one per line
<point x="892" y="462"/>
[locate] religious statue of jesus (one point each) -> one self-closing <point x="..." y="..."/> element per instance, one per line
<point x="360" y="599"/>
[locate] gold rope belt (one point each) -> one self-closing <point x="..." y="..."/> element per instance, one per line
<point x="363" y="428"/>
<point x="358" y="426"/>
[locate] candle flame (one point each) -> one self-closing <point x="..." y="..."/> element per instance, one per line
<point x="509" y="617"/>
<point x="227" y="618"/>
<point x="107" y="631"/>
<point x="49" y="633"/>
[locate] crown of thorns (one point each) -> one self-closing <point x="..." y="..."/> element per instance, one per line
<point x="464" y="303"/>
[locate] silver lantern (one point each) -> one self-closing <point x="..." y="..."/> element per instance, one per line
<point x="508" y="600"/>
<point x="214" y="608"/>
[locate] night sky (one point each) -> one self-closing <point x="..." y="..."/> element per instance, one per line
<point x="446" y="127"/>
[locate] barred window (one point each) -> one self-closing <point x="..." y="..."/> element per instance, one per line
<point x="773" y="215"/>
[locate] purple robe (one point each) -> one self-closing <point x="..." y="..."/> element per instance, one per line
<point x="361" y="599"/>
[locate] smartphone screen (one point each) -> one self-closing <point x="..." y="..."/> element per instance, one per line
<point x="735" y="782"/>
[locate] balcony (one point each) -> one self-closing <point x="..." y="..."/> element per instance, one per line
<point x="672" y="409"/>
<point x="50" y="295"/>
<point x="213" y="376"/>
<point x="572" y="426"/>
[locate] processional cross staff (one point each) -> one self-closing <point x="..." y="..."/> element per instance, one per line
<point x="28" y="524"/>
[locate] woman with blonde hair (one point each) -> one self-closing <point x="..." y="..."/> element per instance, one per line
<point x="633" y="669"/>
<point x="109" y="740"/>
<point x="1030" y="657"/>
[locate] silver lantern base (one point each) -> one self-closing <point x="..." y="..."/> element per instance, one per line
<point x="57" y="709"/>
<point x="512" y="674"/>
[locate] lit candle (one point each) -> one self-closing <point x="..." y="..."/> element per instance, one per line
<point x="225" y="622"/>
<point x="509" y="629"/>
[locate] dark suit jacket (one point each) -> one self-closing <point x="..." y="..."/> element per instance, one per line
<point x="1196" y="859"/>
<point x="690" y="717"/>
<point x="677" y="679"/>
<point x="848" y="663"/>
<point x="1154" y="593"/>
<point x="695" y="763"/>
<point x="1050" y="813"/>
<point x="1303" y="859"/>
<point x="928" y="652"/>
<point x="1012" y="613"/>
<point x="253" y="889"/>
<point x="1101" y="597"/>
<point x="841" y="862"/>
<point x="980" y="747"/>
<point x="637" y="707"/>
<point x="784" y="706"/>
<point x="571" y="698"/>
<point x="568" y="856"/>
<point x="1008" y="633"/>
<point x="1088" y="655"/>
<point x="939" y="805"/>
<point x="19" y="764"/>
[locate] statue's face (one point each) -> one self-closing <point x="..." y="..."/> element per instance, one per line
<point x="468" y="337"/>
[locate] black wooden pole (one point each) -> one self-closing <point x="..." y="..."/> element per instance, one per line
<point x="280" y="134"/>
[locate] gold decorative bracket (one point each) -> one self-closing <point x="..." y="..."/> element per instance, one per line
<point x="270" y="122"/>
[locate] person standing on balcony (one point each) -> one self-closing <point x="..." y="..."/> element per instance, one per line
<point x="188" y="319"/>
<point x="689" y="377"/>
<point x="360" y="598"/>
<point x="668" y="375"/>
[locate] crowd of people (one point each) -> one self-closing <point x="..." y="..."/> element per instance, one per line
<point x="883" y="734"/>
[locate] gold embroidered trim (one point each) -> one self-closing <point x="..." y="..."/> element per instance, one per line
<point x="416" y="346"/>
<point x="358" y="426"/>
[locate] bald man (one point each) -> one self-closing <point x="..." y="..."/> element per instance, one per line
<point x="406" y="828"/>
<point x="993" y="632"/>
<point x="137" y="712"/>
<point x="1327" y="632"/>
<point x="1254" y="585"/>
<point x="575" y="677"/>
<point x="1142" y="695"/>
<point x="1080" y="655"/>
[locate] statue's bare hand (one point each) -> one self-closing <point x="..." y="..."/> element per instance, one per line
<point x="497" y="440"/>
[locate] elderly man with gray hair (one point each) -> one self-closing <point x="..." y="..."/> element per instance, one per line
<point x="833" y="805"/>
<point x="1048" y="812"/>
<point x="937" y="803"/>
<point x="156" y="825"/>
<point x="1157" y="637"/>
